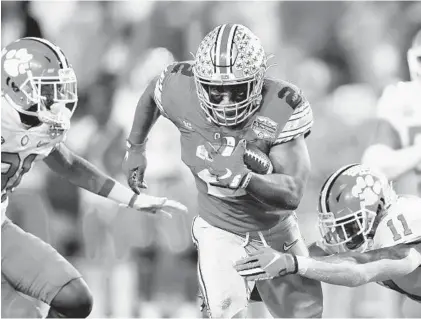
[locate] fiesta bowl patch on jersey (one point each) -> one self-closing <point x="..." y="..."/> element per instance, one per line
<point x="257" y="161"/>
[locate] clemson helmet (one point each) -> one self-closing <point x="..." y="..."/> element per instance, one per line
<point x="37" y="80"/>
<point x="352" y="202"/>
<point x="414" y="58"/>
<point x="230" y="55"/>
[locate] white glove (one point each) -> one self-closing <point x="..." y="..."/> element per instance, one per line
<point x="153" y="204"/>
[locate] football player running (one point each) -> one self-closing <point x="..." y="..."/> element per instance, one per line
<point x="39" y="96"/>
<point x="369" y="234"/>
<point x="396" y="149"/>
<point x="223" y="105"/>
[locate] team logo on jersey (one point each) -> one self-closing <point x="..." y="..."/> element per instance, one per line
<point x="264" y="127"/>
<point x="2" y="140"/>
<point x="24" y="141"/>
<point x="17" y="62"/>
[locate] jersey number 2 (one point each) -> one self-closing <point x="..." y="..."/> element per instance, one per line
<point x="406" y="230"/>
<point x="14" y="160"/>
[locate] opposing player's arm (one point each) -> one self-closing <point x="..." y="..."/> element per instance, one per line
<point x="386" y="151"/>
<point x="284" y="188"/>
<point x="353" y="269"/>
<point x="82" y="173"/>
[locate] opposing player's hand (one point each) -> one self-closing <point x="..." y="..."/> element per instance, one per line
<point x="266" y="263"/>
<point x="230" y="171"/>
<point x="153" y="205"/>
<point x="134" y="166"/>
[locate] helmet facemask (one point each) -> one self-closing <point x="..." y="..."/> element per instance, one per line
<point x="351" y="231"/>
<point x="250" y="90"/>
<point x="231" y="57"/>
<point x="53" y="99"/>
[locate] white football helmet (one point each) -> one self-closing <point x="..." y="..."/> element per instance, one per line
<point x="230" y="55"/>
<point x="414" y="58"/>
<point x="351" y="204"/>
<point x="37" y="80"/>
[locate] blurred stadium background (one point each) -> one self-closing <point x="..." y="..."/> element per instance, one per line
<point x="342" y="54"/>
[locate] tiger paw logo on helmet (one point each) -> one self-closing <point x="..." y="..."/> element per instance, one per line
<point x="17" y="62"/>
<point x="367" y="189"/>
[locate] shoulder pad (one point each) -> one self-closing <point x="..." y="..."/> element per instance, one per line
<point x="173" y="73"/>
<point x="299" y="118"/>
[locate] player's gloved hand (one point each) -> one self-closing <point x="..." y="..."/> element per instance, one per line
<point x="230" y="171"/>
<point x="134" y="165"/>
<point x="153" y="205"/>
<point x="266" y="263"/>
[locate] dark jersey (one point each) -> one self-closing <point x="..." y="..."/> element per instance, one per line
<point x="284" y="115"/>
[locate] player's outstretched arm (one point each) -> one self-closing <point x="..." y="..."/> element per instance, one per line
<point x="355" y="269"/>
<point x="349" y="269"/>
<point x="291" y="168"/>
<point x="134" y="163"/>
<point x="82" y="173"/>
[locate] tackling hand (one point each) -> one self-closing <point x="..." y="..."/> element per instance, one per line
<point x="153" y="204"/>
<point x="134" y="165"/>
<point x="230" y="171"/>
<point x="266" y="263"/>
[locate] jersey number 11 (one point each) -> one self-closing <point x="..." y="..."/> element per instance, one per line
<point x="406" y="230"/>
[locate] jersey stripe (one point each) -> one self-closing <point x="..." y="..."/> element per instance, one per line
<point x="56" y="50"/>
<point x="301" y="111"/>
<point x="158" y="91"/>
<point x="299" y="123"/>
<point x="295" y="132"/>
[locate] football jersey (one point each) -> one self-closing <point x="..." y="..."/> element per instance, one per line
<point x="284" y="114"/>
<point x="20" y="147"/>
<point x="400" y="107"/>
<point x="402" y="225"/>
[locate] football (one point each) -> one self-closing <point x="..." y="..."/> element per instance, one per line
<point x="257" y="161"/>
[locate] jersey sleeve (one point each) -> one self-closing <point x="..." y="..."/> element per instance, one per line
<point x="301" y="120"/>
<point x="167" y="93"/>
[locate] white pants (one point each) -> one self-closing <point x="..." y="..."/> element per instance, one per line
<point x="226" y="293"/>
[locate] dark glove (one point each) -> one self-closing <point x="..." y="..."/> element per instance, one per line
<point x="134" y="166"/>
